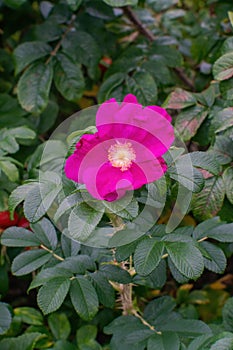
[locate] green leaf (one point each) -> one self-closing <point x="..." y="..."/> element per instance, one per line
<point x="64" y="345"/>
<point x="179" y="277"/>
<point x="34" y="87"/>
<point x="186" y="258"/>
<point x="48" y="117"/>
<point x="49" y="30"/>
<point x="14" y="3"/>
<point x="207" y="97"/>
<point x="223" y="67"/>
<point x="83" y="48"/>
<point x="223" y="120"/>
<point x="209" y="201"/>
<point x="186" y="175"/>
<point x="173" y="154"/>
<point x="8" y="142"/>
<point x="86" y="333"/>
<point x="19" y="195"/>
<point x="228" y="182"/>
<point x="9" y="109"/>
<point x="86" y="338"/>
<point x="227" y="45"/>
<point x="227" y="315"/>
<point x="25" y="341"/>
<point x="143" y="86"/>
<point x="148" y="255"/>
<point x="226" y="89"/>
<point x="188" y="122"/>
<point x="186" y="328"/>
<point x="169" y="55"/>
<point x="12" y="160"/>
<point x="124" y="251"/>
<point x="26" y="53"/>
<point x="104" y="290"/>
<point x="138" y="336"/>
<point x="205" y="160"/>
<point x="199" y="342"/>
<point x="128" y="331"/>
<point x="19" y="237"/>
<point x="202" y="229"/>
<point x="129" y="60"/>
<point x="107" y="88"/>
<point x="5" y="318"/>
<point x="68" y="78"/>
<point x="59" y="325"/>
<point x="49" y="158"/>
<point x="218" y="260"/>
<point x="118" y="3"/>
<point x="222" y="149"/>
<point x="47" y="275"/>
<point x="159" y="310"/>
<point x="159" y="70"/>
<point x="10" y="170"/>
<point x="82" y="221"/>
<point x="222" y="233"/>
<point x="29" y="315"/>
<point x="156" y="279"/>
<point x="179" y="99"/>
<point x="123" y="207"/>
<point x="84" y="298"/>
<point x="22" y="132"/>
<point x="46" y="233"/>
<point x="223" y="344"/>
<point x="29" y="261"/>
<point x="74" y="4"/>
<point x="42" y="196"/>
<point x="69" y="246"/>
<point x="77" y="264"/>
<point x="115" y="273"/>
<point x="75" y="136"/>
<point x="123" y="324"/>
<point x="52" y="294"/>
<point x="165" y="341"/>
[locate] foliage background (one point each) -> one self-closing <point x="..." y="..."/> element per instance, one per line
<point x="58" y="57"/>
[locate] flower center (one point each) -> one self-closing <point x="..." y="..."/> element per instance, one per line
<point x="121" y="155"/>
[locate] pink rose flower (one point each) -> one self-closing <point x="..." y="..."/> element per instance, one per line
<point x="125" y="153"/>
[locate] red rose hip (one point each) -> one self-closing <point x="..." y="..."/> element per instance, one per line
<point x="5" y="220"/>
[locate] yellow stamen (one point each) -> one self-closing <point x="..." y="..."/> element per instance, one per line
<point x="121" y="155"/>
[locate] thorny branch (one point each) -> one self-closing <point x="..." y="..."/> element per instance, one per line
<point x="150" y="36"/>
<point x="126" y="299"/>
<point x="57" y="47"/>
<point x="125" y="290"/>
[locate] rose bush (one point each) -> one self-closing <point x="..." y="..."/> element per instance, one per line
<point x="136" y="251"/>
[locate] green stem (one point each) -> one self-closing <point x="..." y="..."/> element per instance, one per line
<point x="126" y="290"/>
<point x="51" y="252"/>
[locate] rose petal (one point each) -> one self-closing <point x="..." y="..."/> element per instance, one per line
<point x="91" y="151"/>
<point x="72" y="167"/>
<point x="147" y="119"/>
<point x="130" y="98"/>
<point x="152" y="170"/>
<point x="108" y="183"/>
<point x="106" y="112"/>
<point x="161" y="111"/>
<point x="147" y="129"/>
<point x="137" y="136"/>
